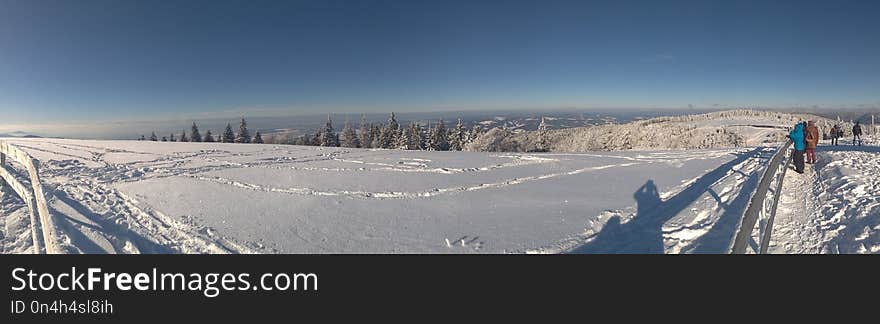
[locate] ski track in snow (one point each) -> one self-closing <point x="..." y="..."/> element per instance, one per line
<point x="101" y="219"/>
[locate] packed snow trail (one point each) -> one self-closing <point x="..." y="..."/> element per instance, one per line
<point x="834" y="207"/>
<point x="155" y="197"/>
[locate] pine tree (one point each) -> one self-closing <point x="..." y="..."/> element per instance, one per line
<point x="183" y="137"/>
<point x="414" y="137"/>
<point x="366" y="140"/>
<point x="328" y="135"/>
<point x="243" y="135"/>
<point x="423" y="136"/>
<point x="172" y="138"/>
<point x="439" y="140"/>
<point x="228" y="136"/>
<point x="208" y="137"/>
<point x="390" y="133"/>
<point x="195" y="136"/>
<point x="401" y="139"/>
<point x="153" y="137"/>
<point x="258" y="139"/>
<point x="164" y="139"/>
<point x="459" y="137"/>
<point x="543" y="144"/>
<point x="349" y="137"/>
<point x="475" y="133"/>
<point x="376" y="136"/>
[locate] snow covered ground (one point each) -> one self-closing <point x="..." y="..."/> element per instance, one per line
<point x="156" y="197"/>
<point x="834" y="207"/>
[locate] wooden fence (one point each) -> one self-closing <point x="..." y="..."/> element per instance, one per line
<point x="43" y="230"/>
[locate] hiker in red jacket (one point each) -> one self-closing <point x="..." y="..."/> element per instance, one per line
<point x="811" y="139"/>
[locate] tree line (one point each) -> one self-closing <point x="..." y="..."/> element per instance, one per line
<point x="228" y="136"/>
<point x="389" y="135"/>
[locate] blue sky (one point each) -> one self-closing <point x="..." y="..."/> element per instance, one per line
<point x="131" y="60"/>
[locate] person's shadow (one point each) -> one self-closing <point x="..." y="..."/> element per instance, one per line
<point x="644" y="232"/>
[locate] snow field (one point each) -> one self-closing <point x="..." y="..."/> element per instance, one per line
<point x="149" y="197"/>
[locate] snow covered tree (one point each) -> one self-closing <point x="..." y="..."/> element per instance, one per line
<point x="390" y="133"/>
<point x="366" y="139"/>
<point x="376" y="136"/>
<point x="153" y="137"/>
<point x="228" y="136"/>
<point x="183" y="137"/>
<point x="172" y="138"/>
<point x="208" y="137"/>
<point x="195" y="136"/>
<point x="141" y="138"/>
<point x="401" y="139"/>
<point x="458" y="137"/>
<point x="328" y="137"/>
<point x="243" y="135"/>
<point x="349" y="137"/>
<point x="475" y="133"/>
<point x="415" y="140"/>
<point x="258" y="139"/>
<point x="543" y="143"/>
<point x="439" y="140"/>
<point x="164" y="139"/>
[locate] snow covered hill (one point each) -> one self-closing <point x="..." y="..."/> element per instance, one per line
<point x="158" y="197"/>
<point x="732" y="128"/>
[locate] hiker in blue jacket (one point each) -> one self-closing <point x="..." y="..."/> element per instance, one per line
<point x="797" y="137"/>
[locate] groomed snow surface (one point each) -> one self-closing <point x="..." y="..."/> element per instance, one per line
<point x="158" y="197"/>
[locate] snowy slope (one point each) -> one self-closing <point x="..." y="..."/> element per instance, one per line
<point x="155" y="197"/>
<point x="733" y="128"/>
<point x="834" y="207"/>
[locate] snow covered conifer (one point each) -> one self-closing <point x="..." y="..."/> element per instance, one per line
<point x="390" y="133"/>
<point x="459" y="137"/>
<point x="415" y="140"/>
<point x="258" y="139"/>
<point x="208" y="137"/>
<point x="376" y="136"/>
<point x="183" y="137"/>
<point x="172" y="138"/>
<point x="439" y="140"/>
<point x="153" y="137"/>
<point x="366" y="139"/>
<point x="328" y="137"/>
<point x="349" y="137"/>
<point x="243" y="135"/>
<point x="164" y="139"/>
<point x="543" y="143"/>
<point x="228" y="136"/>
<point x="401" y="139"/>
<point x="195" y="136"/>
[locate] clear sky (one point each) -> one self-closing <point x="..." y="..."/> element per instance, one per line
<point x="127" y="60"/>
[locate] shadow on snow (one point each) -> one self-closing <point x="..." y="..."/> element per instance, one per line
<point x="644" y="232"/>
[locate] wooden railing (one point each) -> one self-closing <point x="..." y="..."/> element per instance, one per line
<point x="43" y="230"/>
<point x="760" y="207"/>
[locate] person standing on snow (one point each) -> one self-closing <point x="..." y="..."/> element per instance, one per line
<point x="811" y="139"/>
<point x="835" y="133"/>
<point x="857" y="134"/>
<point x="797" y="137"/>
